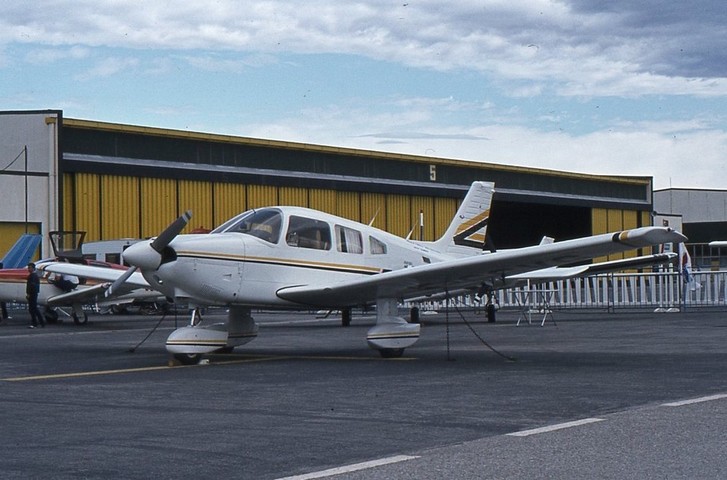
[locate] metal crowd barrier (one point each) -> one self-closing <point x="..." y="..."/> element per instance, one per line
<point x="667" y="291"/>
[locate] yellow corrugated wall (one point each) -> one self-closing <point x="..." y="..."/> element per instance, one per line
<point x="323" y="200"/>
<point x="294" y="196"/>
<point x="398" y="214"/>
<point x="599" y="222"/>
<point x="614" y="220"/>
<point x="158" y="205"/>
<point x="230" y="200"/>
<point x="444" y="211"/>
<point x="119" y="207"/>
<point x="348" y="205"/>
<point x="261" y="196"/>
<point x="196" y="196"/>
<point x="88" y="204"/>
<point x="373" y="207"/>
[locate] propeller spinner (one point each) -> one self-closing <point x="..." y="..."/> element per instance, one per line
<point x="148" y="255"/>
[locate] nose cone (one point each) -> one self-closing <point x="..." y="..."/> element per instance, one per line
<point x="143" y="256"/>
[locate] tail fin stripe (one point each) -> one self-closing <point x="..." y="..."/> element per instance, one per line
<point x="470" y="237"/>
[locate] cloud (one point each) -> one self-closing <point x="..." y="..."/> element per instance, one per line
<point x="108" y="67"/>
<point x="217" y="63"/>
<point x="576" y="47"/>
<point x="45" y="56"/>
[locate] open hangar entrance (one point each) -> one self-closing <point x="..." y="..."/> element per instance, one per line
<point x="519" y="224"/>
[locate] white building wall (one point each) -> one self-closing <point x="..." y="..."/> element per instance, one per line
<point x="694" y="205"/>
<point x="31" y="197"/>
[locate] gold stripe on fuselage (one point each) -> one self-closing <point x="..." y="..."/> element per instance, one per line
<point x="281" y="261"/>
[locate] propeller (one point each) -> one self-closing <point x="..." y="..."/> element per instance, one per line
<point x="165" y="238"/>
<point x="120" y="281"/>
<point x="148" y="255"/>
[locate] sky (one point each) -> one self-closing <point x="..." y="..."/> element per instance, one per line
<point x="615" y="88"/>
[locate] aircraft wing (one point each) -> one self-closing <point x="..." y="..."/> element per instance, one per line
<point x="135" y="285"/>
<point x="561" y="273"/>
<point x="136" y="280"/>
<point x="471" y="272"/>
<point x="80" y="295"/>
<point x="97" y="294"/>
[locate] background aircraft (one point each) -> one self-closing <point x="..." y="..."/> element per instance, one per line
<point x="69" y="280"/>
<point x="71" y="285"/>
<point x="22" y="251"/>
<point x="292" y="257"/>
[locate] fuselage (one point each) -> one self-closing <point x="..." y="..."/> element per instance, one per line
<point x="247" y="260"/>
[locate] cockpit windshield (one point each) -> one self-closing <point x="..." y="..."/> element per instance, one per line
<point x="263" y="224"/>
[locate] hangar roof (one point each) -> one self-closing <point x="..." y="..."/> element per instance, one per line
<point x="93" y="146"/>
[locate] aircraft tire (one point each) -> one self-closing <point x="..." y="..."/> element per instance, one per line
<point x="82" y="320"/>
<point x="391" y="352"/>
<point x="188" y="358"/>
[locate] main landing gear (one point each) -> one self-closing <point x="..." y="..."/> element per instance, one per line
<point x="78" y="315"/>
<point x="188" y="344"/>
<point x="391" y="334"/>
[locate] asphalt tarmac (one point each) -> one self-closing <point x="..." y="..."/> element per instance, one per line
<point x="589" y="395"/>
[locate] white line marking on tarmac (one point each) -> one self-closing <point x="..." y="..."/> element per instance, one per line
<point x="551" y="428"/>
<point x="351" y="468"/>
<point x="708" y="398"/>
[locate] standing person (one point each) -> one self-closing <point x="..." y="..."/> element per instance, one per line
<point x="32" y="288"/>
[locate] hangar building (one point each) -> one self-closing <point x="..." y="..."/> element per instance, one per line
<point x="120" y="181"/>
<point x="703" y="215"/>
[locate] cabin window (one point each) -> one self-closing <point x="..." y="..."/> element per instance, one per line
<point x="348" y="240"/>
<point x="263" y="224"/>
<point x="308" y="233"/>
<point x="377" y="246"/>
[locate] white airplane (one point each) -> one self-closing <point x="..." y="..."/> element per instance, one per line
<point x="298" y="258"/>
<point x="718" y="243"/>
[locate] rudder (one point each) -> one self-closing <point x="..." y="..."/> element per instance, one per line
<point x="467" y="233"/>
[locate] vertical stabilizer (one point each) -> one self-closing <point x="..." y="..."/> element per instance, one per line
<point x="466" y="234"/>
<point x="22" y="252"/>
